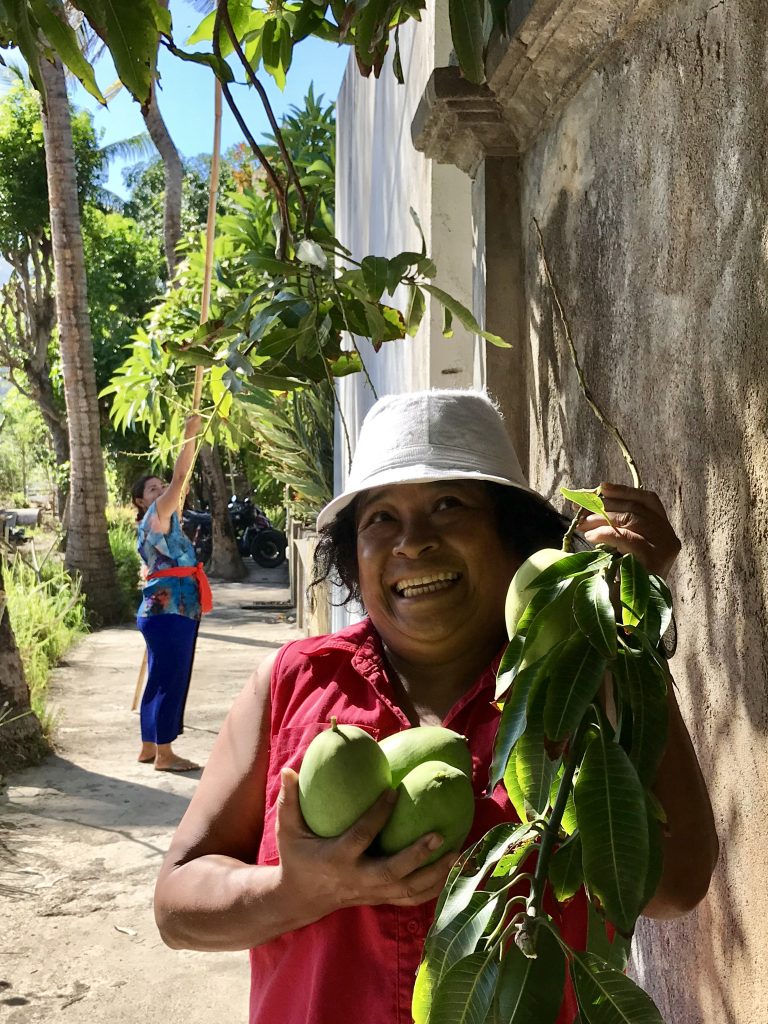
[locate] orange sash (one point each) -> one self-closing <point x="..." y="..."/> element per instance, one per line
<point x="203" y="586"/>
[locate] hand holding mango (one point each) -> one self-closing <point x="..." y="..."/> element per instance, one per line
<point x="345" y="771"/>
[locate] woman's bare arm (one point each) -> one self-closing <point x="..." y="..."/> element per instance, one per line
<point x="169" y="500"/>
<point x="211" y="896"/>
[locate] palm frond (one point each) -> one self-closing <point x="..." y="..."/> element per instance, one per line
<point x="136" y="148"/>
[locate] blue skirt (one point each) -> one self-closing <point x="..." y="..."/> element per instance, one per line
<point x="170" y="641"/>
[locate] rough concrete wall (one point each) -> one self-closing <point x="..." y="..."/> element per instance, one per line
<point x="651" y="193"/>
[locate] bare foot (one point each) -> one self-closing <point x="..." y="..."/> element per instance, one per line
<point x="177" y="764"/>
<point x="147" y="753"/>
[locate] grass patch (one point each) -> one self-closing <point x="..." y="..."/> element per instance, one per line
<point x="122" y="541"/>
<point x="47" y="613"/>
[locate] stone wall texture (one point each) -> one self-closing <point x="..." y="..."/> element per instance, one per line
<point x="650" y="189"/>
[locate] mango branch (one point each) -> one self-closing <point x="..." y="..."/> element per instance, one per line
<point x="272" y="179"/>
<point x="289" y="165"/>
<point x="585" y="389"/>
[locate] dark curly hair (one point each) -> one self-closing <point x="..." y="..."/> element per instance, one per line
<point x="525" y="524"/>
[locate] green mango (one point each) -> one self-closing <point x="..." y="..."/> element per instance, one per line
<point x="520" y="592"/>
<point x="406" y="749"/>
<point x="343" y="773"/>
<point x="433" y="797"/>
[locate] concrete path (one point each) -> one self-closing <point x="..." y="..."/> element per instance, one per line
<point x="83" y="835"/>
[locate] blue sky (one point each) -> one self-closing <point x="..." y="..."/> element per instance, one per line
<point x="186" y="93"/>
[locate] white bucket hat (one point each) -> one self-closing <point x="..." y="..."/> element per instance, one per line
<point x="420" y="436"/>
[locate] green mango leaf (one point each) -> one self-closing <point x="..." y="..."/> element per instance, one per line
<point x="463" y="315"/>
<point x="615" y="951"/>
<point x="63" y="40"/>
<point x="513" y="720"/>
<point x="571" y="566"/>
<point x="514" y="790"/>
<point x="612" y="818"/>
<point x="417" y="222"/>
<point x="133" y="38"/>
<point x="658" y="613"/>
<point x="471" y="868"/>
<point x="530" y="991"/>
<point x="634" y="592"/>
<point x="450" y="945"/>
<point x="370" y="24"/>
<point x="24" y="35"/>
<point x="590" y="500"/>
<point x="447" y="323"/>
<point x="655" y="852"/>
<point x="643" y="686"/>
<point x="568" y="823"/>
<point x="575" y="675"/>
<point x="465" y="993"/>
<point x="535" y="771"/>
<point x="468" y="37"/>
<point x="549" y="611"/>
<point x="510" y="861"/>
<point x="508" y="666"/>
<point x="375" y="274"/>
<point x="607" y="996"/>
<point x="594" y="614"/>
<point x="565" y="872"/>
<point x="415" y="310"/>
<point x="220" y="68"/>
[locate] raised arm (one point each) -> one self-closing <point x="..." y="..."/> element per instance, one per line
<point x="690" y="840"/>
<point x="169" y="500"/>
<point x="211" y="896"/>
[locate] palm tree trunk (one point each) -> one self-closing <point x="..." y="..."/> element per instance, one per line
<point x="88" y="552"/>
<point x="21" y="738"/>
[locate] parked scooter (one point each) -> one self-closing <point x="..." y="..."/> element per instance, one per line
<point x="255" y="535"/>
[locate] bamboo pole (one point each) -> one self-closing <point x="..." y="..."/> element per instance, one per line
<point x="205" y="303"/>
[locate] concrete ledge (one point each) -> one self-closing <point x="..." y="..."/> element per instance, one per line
<point x="459" y="123"/>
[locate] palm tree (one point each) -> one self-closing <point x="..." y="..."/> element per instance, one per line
<point x="88" y="552"/>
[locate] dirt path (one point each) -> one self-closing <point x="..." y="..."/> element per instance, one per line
<point x="83" y="835"/>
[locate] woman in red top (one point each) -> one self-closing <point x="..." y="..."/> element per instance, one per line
<point x="434" y="521"/>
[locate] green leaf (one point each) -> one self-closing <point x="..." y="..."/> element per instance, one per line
<point x="535" y="771"/>
<point x="220" y="68"/>
<point x="471" y="868"/>
<point x="565" y="872"/>
<point x="463" y="315"/>
<point x="607" y="996"/>
<point x="63" y="40"/>
<point x="658" y="613"/>
<point x="612" y="818"/>
<point x="447" y="323"/>
<point x="468" y="37"/>
<point x="450" y="945"/>
<point x="415" y="310"/>
<point x="594" y="614"/>
<point x="655" y="852"/>
<point x="615" y="951"/>
<point x="570" y="567"/>
<point x="508" y="666"/>
<point x="575" y="675"/>
<point x="465" y="993"/>
<point x="530" y="991"/>
<point x="634" y="591"/>
<point x="513" y="720"/>
<point x="643" y="686"/>
<point x="375" y="274"/>
<point x="133" y="38"/>
<point x="514" y="789"/>
<point x="588" y="499"/>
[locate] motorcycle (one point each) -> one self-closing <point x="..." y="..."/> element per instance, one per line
<point x="254" y="533"/>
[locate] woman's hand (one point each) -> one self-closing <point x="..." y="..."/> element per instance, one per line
<point x="192" y="426"/>
<point x="328" y="874"/>
<point x="640" y="527"/>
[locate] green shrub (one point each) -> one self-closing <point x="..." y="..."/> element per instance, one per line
<point x="122" y="541"/>
<point x="47" y="612"/>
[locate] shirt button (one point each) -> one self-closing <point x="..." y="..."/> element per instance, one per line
<point x="413" y="927"/>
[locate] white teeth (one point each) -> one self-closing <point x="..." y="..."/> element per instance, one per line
<point x="425" y="584"/>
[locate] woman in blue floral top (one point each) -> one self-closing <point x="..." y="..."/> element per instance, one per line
<point x="175" y="595"/>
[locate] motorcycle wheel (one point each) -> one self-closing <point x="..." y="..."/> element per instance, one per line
<point x="268" y="548"/>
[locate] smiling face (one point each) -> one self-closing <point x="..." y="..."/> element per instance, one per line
<point x="433" y="569"/>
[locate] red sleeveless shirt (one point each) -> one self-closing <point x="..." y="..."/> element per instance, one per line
<point x="358" y="965"/>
